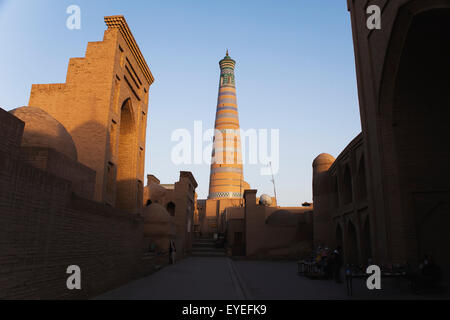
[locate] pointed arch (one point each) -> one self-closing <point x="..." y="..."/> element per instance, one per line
<point x="126" y="196"/>
<point x="347" y="189"/>
<point x="362" y="181"/>
<point x="367" y="240"/>
<point x="352" y="244"/>
<point x="339" y="236"/>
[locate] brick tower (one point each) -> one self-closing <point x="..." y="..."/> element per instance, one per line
<point x="226" y="178"/>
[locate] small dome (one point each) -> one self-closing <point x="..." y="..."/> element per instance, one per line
<point x="42" y="130"/>
<point x="265" y="200"/>
<point x="323" y="158"/>
<point x="245" y="186"/>
<point x="156" y="213"/>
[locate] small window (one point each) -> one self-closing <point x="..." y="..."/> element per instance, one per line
<point x="171" y="208"/>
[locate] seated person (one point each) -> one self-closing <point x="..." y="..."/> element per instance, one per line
<point x="429" y="275"/>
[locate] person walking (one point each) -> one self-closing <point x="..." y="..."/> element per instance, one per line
<point x="337" y="264"/>
<point x="172" y="252"/>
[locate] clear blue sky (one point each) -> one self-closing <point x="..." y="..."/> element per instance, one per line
<point x="295" y="72"/>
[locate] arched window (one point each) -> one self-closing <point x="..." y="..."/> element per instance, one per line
<point x="171" y="208"/>
<point x="347" y="190"/>
<point x="335" y="191"/>
<point x="367" y="241"/>
<point x="362" y="183"/>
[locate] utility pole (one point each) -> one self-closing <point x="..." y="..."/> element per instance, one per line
<point x="242" y="196"/>
<point x="273" y="181"/>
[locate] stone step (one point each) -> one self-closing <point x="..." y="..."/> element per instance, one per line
<point x="203" y="245"/>
<point x="208" y="254"/>
<point x="205" y="240"/>
<point x="205" y="249"/>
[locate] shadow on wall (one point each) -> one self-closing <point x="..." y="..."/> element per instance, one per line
<point x="420" y="112"/>
<point x="117" y="177"/>
<point x="42" y="130"/>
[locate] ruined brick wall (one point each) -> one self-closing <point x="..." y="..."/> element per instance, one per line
<point x="103" y="105"/>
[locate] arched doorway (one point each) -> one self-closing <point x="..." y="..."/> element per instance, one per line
<point x="126" y="197"/>
<point x="367" y="241"/>
<point x="421" y="103"/>
<point x="421" y="109"/>
<point x="339" y="237"/>
<point x="352" y="244"/>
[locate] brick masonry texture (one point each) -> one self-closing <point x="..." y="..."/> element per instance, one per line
<point x="45" y="227"/>
<point x="387" y="195"/>
<point x="56" y="210"/>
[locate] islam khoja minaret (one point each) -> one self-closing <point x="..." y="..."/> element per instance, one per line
<point x="226" y="178"/>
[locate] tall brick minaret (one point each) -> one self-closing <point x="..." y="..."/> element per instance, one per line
<point x="226" y="178"/>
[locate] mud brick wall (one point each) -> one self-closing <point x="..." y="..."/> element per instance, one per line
<point x="45" y="227"/>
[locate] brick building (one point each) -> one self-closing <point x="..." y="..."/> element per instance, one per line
<point x="388" y="194"/>
<point x="262" y="230"/>
<point x="71" y="172"/>
<point x="178" y="201"/>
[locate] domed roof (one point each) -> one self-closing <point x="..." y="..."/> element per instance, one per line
<point x="246" y="185"/>
<point x="156" y="213"/>
<point x="42" y="130"/>
<point x="265" y="200"/>
<point x="227" y="58"/>
<point x="323" y="158"/>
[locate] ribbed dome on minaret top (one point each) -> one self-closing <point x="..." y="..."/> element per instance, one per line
<point x="226" y="59"/>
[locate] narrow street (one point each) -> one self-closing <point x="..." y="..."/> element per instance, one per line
<point x="199" y="278"/>
<point x="220" y="278"/>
